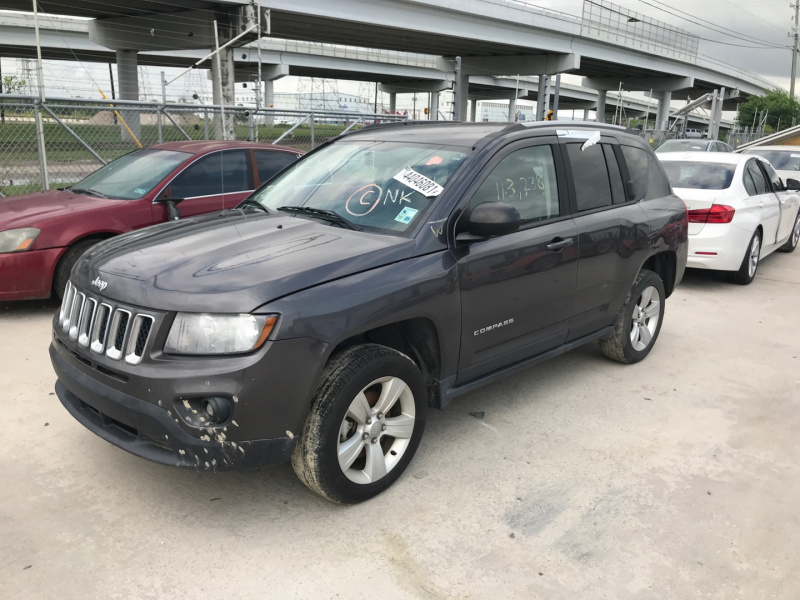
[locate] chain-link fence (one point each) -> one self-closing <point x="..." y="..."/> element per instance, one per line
<point x="59" y="142"/>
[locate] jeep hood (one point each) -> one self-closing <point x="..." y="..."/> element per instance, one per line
<point x="230" y="262"/>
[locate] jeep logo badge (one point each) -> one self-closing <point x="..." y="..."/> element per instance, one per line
<point x="100" y="284"/>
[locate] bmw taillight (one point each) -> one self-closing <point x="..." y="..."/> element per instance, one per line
<point x="718" y="213"/>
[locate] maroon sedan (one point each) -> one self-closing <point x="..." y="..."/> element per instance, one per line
<point x="43" y="234"/>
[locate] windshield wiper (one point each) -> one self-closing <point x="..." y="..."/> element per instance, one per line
<point x="253" y="204"/>
<point x="88" y="192"/>
<point x="322" y="214"/>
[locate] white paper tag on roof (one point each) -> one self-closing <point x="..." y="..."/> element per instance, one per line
<point x="418" y="182"/>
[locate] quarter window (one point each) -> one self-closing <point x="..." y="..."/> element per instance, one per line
<point x="525" y="179"/>
<point x="638" y="167"/>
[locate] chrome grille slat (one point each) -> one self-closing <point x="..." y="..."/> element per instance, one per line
<point x="100" y="328"/>
<point x="137" y="338"/>
<point x="66" y="307"/>
<point x="85" y="324"/>
<point x="114" y="331"/>
<point x="75" y="315"/>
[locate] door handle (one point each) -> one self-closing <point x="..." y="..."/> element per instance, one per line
<point x="558" y="244"/>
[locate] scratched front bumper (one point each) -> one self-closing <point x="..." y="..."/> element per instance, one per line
<point x="146" y="430"/>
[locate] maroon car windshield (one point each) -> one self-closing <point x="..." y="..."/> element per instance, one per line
<point x="132" y="176"/>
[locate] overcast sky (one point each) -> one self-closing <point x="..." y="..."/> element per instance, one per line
<point x="766" y="20"/>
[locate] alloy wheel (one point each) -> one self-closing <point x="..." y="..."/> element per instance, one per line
<point x="755" y="249"/>
<point x="376" y="430"/>
<point x="644" y="321"/>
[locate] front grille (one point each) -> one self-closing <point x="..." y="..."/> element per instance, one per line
<point x="104" y="328"/>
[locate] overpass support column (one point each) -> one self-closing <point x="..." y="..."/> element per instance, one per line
<point x="543" y="97"/>
<point x="512" y="109"/>
<point x="662" y="116"/>
<point x="473" y="111"/>
<point x="128" y="75"/>
<point x="433" y="107"/>
<point x="586" y="114"/>
<point x="601" y="106"/>
<point x="223" y="82"/>
<point x="269" y="100"/>
<point x="392" y="103"/>
<point x="461" y="90"/>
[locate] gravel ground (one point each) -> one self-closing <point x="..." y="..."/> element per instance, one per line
<point x="578" y="478"/>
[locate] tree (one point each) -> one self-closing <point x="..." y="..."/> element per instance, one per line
<point x="13" y="85"/>
<point x="777" y="105"/>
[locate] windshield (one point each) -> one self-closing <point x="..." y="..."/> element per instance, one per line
<point x="383" y="186"/>
<point x="699" y="176"/>
<point x="132" y="176"/>
<point x="782" y="160"/>
<point x="682" y="146"/>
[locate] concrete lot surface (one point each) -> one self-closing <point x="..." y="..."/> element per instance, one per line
<point x="678" y="477"/>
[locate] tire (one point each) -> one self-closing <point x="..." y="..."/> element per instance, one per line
<point x="68" y="260"/>
<point x="752" y="257"/>
<point x="344" y="452"/>
<point x="791" y="243"/>
<point x="638" y="321"/>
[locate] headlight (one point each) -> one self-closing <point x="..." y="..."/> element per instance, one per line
<point x="17" y="240"/>
<point x="218" y="334"/>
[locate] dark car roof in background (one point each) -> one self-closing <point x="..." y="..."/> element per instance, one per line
<point x="201" y="146"/>
<point x="463" y="134"/>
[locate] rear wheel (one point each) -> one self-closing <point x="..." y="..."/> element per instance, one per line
<point x="791" y="243"/>
<point x="68" y="260"/>
<point x="638" y="321"/>
<point x="364" y="425"/>
<point x="747" y="271"/>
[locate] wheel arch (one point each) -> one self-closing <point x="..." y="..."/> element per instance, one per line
<point x="665" y="265"/>
<point x="417" y="338"/>
<point x="96" y="236"/>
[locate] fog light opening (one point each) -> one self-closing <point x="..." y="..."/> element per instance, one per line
<point x="216" y="409"/>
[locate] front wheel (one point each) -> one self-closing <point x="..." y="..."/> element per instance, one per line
<point x="364" y="424"/>
<point x="638" y="321"/>
<point x="68" y="260"/>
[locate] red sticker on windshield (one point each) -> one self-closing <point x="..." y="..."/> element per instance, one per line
<point x="436" y="160"/>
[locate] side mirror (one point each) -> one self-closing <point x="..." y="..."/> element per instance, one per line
<point x="173" y="214"/>
<point x="793" y="185"/>
<point x="490" y="219"/>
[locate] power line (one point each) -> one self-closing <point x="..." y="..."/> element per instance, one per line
<point x="703" y="23"/>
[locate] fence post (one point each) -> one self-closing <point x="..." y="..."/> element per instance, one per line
<point x="250" y="135"/>
<point x="311" y="118"/>
<point x="205" y="121"/>
<point x="40" y="145"/>
<point x="163" y="105"/>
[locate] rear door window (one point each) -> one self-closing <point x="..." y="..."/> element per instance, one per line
<point x="590" y="175"/>
<point x="217" y="173"/>
<point x="270" y="163"/>
<point x="759" y="181"/>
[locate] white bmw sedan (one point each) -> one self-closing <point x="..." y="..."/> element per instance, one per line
<point x="739" y="210"/>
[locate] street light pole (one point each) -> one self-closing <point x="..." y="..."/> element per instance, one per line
<point x="796" y="6"/>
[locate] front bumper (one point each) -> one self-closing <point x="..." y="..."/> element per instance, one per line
<point x="146" y="408"/>
<point x="146" y="430"/>
<point x="28" y="275"/>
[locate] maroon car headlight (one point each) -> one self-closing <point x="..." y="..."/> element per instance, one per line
<point x="17" y="240"/>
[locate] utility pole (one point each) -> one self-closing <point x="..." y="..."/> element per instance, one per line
<point x="796" y="6"/>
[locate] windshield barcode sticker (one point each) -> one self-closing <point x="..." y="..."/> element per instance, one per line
<point x="418" y="182"/>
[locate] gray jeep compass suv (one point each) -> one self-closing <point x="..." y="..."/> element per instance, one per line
<point x="385" y="273"/>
